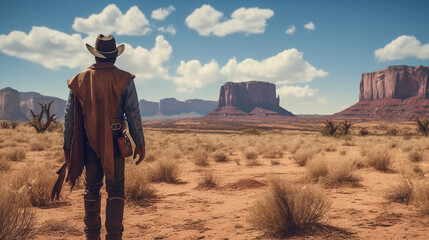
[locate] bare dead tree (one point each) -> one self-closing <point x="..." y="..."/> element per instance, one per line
<point x="423" y="126"/>
<point x="331" y="126"/>
<point x="37" y="121"/>
<point x="346" y="126"/>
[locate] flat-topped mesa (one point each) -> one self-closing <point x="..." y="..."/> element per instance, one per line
<point x="395" y="82"/>
<point x="9" y="105"/>
<point x="248" y="99"/>
<point x="397" y="92"/>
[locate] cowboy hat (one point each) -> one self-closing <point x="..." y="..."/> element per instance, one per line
<point x="105" y="47"/>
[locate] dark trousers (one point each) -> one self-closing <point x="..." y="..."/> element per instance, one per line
<point x="115" y="191"/>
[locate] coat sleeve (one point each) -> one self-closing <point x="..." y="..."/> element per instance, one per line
<point x="68" y="122"/>
<point x="132" y="112"/>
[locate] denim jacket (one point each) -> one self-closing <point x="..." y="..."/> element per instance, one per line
<point x="128" y="105"/>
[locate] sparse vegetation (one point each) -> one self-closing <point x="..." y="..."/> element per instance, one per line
<point x="201" y="158"/>
<point x="164" y="171"/>
<point x="252" y="131"/>
<point x="416" y="156"/>
<point x="330" y="128"/>
<point x="251" y="154"/>
<point x="5" y="125"/>
<point x="380" y="159"/>
<point x="286" y="208"/>
<point x="333" y="173"/>
<point x="302" y="156"/>
<point x="421" y="196"/>
<point x="37" y="119"/>
<point x="14" y="154"/>
<point x="220" y="157"/>
<point x="208" y="180"/>
<point x="402" y="192"/>
<point x="423" y="126"/>
<point x="17" y="220"/>
<point x="137" y="186"/>
<point x="363" y="132"/>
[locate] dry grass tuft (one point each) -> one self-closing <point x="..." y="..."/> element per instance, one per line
<point x="4" y="164"/>
<point x="286" y="208"/>
<point x="17" y="220"/>
<point x="341" y="172"/>
<point x="14" y="154"/>
<point x="208" y="181"/>
<point x="201" y="158"/>
<point x="137" y="186"/>
<point x="421" y="197"/>
<point x="275" y="162"/>
<point x="416" y="156"/>
<point x="401" y="192"/>
<point x="36" y="182"/>
<point x="164" y="171"/>
<point x="273" y="152"/>
<point x="37" y="146"/>
<point x="220" y="157"/>
<point x="316" y="169"/>
<point x="302" y="156"/>
<point x="380" y="159"/>
<point x="251" y="154"/>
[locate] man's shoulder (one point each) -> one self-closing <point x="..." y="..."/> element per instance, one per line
<point x="123" y="72"/>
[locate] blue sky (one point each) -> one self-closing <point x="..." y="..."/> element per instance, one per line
<point x="188" y="49"/>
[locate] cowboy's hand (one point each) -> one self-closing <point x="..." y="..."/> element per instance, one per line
<point x="141" y="152"/>
<point x="67" y="156"/>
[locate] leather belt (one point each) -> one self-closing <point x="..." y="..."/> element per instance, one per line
<point x="117" y="125"/>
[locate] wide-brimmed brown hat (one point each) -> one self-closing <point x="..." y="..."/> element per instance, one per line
<point x="105" y="47"/>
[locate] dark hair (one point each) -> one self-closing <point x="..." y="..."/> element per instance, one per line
<point x="111" y="60"/>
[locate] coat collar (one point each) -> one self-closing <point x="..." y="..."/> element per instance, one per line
<point x="102" y="65"/>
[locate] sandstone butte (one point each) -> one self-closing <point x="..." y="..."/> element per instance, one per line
<point x="248" y="99"/>
<point x="397" y="92"/>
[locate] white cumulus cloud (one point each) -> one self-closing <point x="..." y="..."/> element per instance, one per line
<point x="296" y="91"/>
<point x="310" y="26"/>
<point x="145" y="63"/>
<point x="207" y="21"/>
<point x="286" y="67"/>
<point x="290" y="29"/>
<point x="50" y="48"/>
<point x="162" y="13"/>
<point x="403" y="47"/>
<point x="192" y="75"/>
<point x="112" y="20"/>
<point x="169" y="29"/>
<point x="54" y="49"/>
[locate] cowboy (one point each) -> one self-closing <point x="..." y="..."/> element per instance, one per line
<point x="99" y="99"/>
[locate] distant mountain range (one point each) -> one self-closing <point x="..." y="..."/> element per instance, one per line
<point x="15" y="105"/>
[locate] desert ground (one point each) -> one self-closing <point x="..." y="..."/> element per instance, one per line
<point x="212" y="179"/>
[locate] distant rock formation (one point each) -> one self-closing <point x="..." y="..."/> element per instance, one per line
<point x="254" y="98"/>
<point x="10" y="105"/>
<point x="171" y="106"/>
<point x="148" y="108"/>
<point x="30" y="100"/>
<point x="395" y="92"/>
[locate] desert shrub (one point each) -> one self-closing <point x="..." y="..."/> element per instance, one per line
<point x="137" y="186"/>
<point x="14" y="124"/>
<point x="5" y="125"/>
<point x="14" y="154"/>
<point x="220" y="157"/>
<point x="201" y="158"/>
<point x="421" y="196"/>
<point x="251" y="154"/>
<point x="56" y="127"/>
<point x="392" y="132"/>
<point x="164" y="171"/>
<point x="302" y="156"/>
<point x="275" y="162"/>
<point x="363" y="132"/>
<point x="36" y="182"/>
<point x="317" y="168"/>
<point x="252" y="131"/>
<point x="379" y="159"/>
<point x="253" y="162"/>
<point x="4" y="164"/>
<point x="423" y="126"/>
<point x="286" y="208"/>
<point x="17" y="220"/>
<point x="415" y="156"/>
<point x="208" y="180"/>
<point x="402" y="192"/>
<point x="340" y="172"/>
<point x="330" y="128"/>
<point x="273" y="152"/>
<point x="37" y="146"/>
<point x="150" y="157"/>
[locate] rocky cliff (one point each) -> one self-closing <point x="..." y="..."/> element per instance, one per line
<point x="30" y="100"/>
<point x="148" y="108"/>
<point x="10" y="105"/>
<point x="399" y="92"/>
<point x="395" y="82"/>
<point x="172" y="106"/>
<point x="252" y="98"/>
